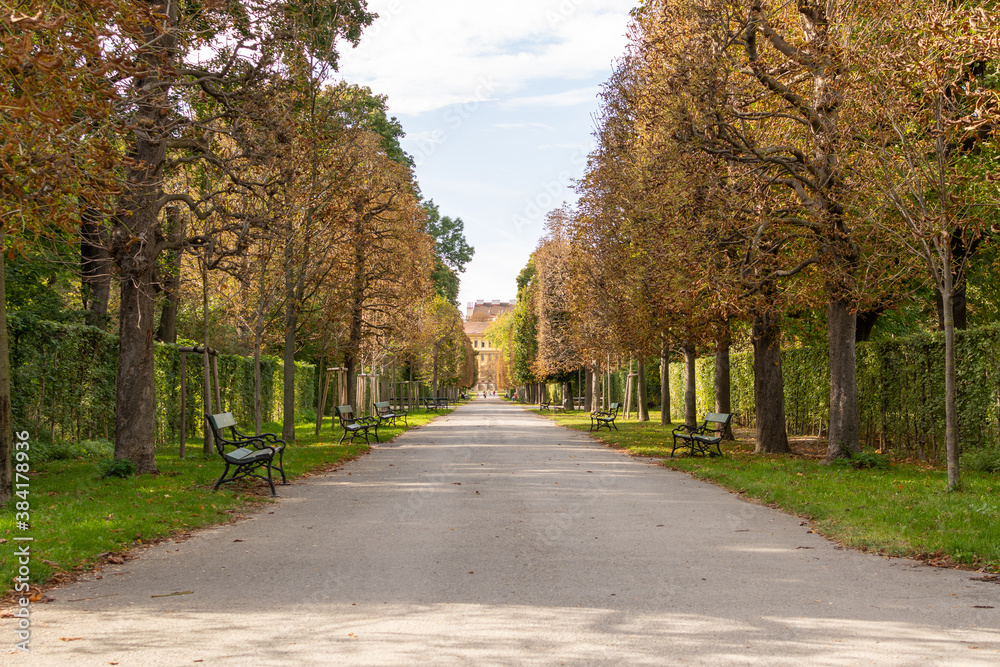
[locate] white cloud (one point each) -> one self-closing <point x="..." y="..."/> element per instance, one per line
<point x="522" y="126"/>
<point x="429" y="54"/>
<point x="566" y="98"/>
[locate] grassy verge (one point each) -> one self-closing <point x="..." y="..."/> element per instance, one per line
<point x="78" y="517"/>
<point x="903" y="511"/>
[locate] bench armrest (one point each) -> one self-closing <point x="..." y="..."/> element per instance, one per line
<point x="268" y="438"/>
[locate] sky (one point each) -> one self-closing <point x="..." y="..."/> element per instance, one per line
<point x="497" y="100"/>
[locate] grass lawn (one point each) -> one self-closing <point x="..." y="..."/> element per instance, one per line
<point x="77" y="517"/>
<point x="903" y="511"/>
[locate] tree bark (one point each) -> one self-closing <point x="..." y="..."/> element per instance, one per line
<point x="595" y="389"/>
<point x="208" y="440"/>
<point x="959" y="307"/>
<point x="567" y="402"/>
<point x="136" y="242"/>
<point x="865" y="324"/>
<point x="769" y="386"/>
<point x="291" y="326"/>
<point x="723" y="382"/>
<point x="690" y="386"/>
<point x="96" y="265"/>
<point x="844" y="429"/>
<point x="950" y="383"/>
<point x="665" y="387"/>
<point x="641" y="390"/>
<point x="288" y="374"/>
<point x="166" y="332"/>
<point x="320" y="394"/>
<point x="135" y="401"/>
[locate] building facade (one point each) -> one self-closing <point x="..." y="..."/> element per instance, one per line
<point x="479" y="315"/>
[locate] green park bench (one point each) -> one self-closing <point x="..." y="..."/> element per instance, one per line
<point x="605" y="418"/>
<point x="251" y="454"/>
<point x="433" y="403"/>
<point x="704" y="437"/>
<point x="387" y="415"/>
<point x="356" y="426"/>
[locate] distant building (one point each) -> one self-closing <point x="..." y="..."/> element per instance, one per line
<point x="478" y="317"/>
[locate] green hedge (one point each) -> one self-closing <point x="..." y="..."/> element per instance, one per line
<point x="63" y="383"/>
<point x="900" y="391"/>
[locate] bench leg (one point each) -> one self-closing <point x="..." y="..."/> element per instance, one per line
<point x="222" y="478"/>
<point x="281" y="467"/>
<point x="270" y="481"/>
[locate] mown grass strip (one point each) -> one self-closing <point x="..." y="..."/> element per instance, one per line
<point x="77" y="516"/>
<point x="903" y="511"/>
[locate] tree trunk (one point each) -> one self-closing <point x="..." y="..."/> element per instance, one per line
<point x="865" y="323"/>
<point x="595" y="388"/>
<point x="723" y="382"/>
<point x="320" y="394"/>
<point x="690" y="392"/>
<point x="258" y="405"/>
<point x="434" y="377"/>
<point x="665" y="387"/>
<point x="208" y="440"/>
<point x="769" y="387"/>
<point x="136" y="241"/>
<point x="588" y="389"/>
<point x="843" y="438"/>
<point x="96" y="264"/>
<point x="135" y="404"/>
<point x="567" y="402"/>
<point x="641" y="390"/>
<point x="288" y="374"/>
<point x="959" y="307"/>
<point x="166" y="332"/>
<point x="950" y="393"/>
<point x="7" y="436"/>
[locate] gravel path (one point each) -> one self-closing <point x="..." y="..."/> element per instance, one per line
<point x="494" y="537"/>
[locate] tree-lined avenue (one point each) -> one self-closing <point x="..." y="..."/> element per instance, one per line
<point x="492" y="536"/>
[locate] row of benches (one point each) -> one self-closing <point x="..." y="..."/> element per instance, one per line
<point x="254" y="455"/>
<point x="700" y="438"/>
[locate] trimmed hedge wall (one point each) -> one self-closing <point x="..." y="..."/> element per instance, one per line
<point x="63" y="383"/>
<point x="900" y="391"/>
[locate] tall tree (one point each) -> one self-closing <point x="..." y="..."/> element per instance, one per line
<point x="452" y="251"/>
<point x="558" y="357"/>
<point x="934" y="114"/>
<point x="249" y="41"/>
<point x="56" y="60"/>
<point x="779" y="112"/>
